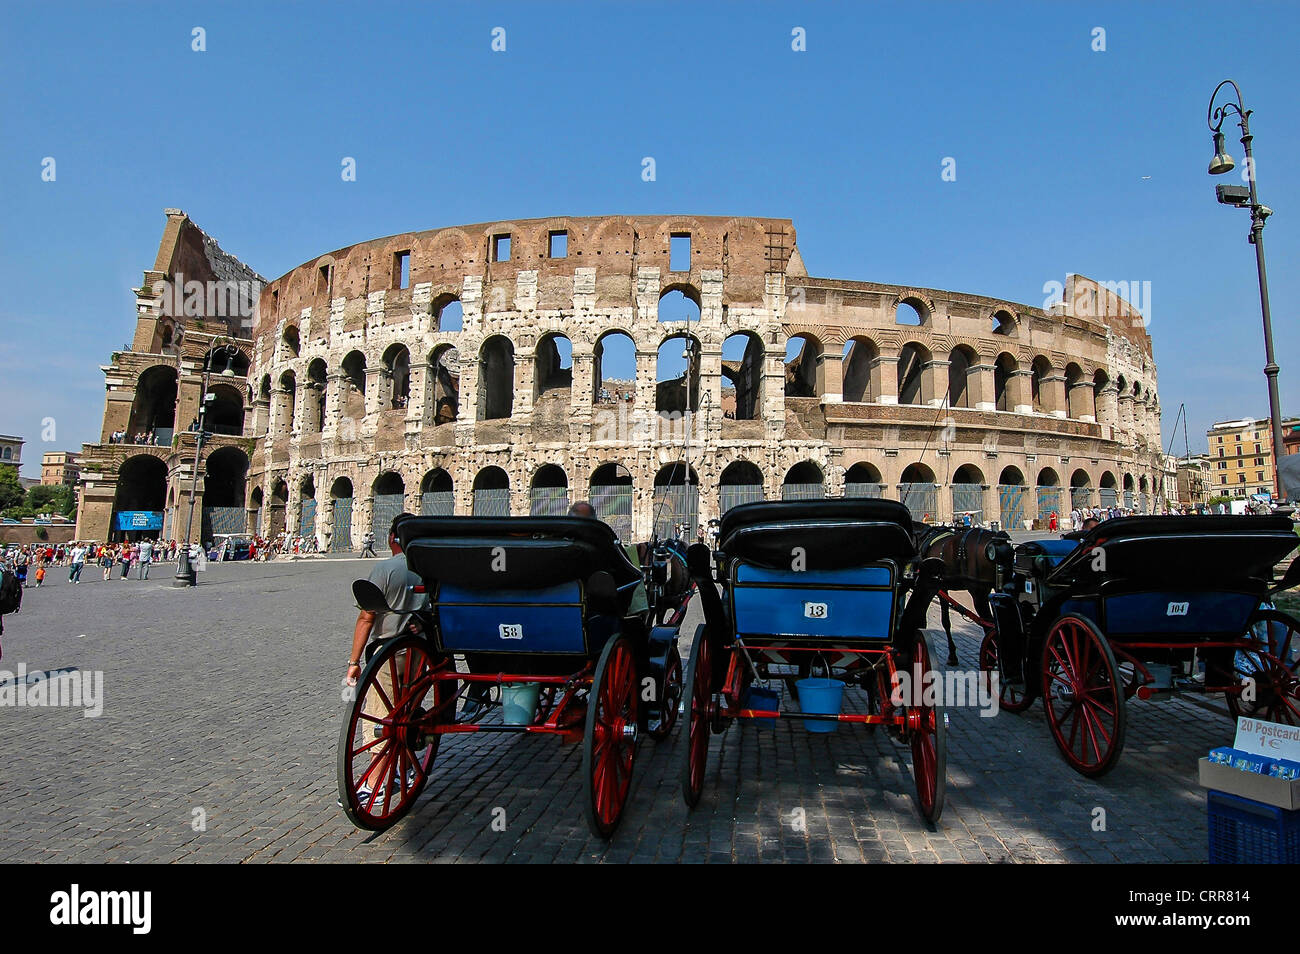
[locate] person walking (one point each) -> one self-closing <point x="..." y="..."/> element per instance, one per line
<point x="369" y="541"/>
<point x="146" y="558"/>
<point x="21" y="562"/>
<point x="124" y="559"/>
<point x="76" y="561"/>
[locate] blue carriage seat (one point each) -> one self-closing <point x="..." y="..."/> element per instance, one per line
<point x="1219" y="552"/>
<point x="816" y="569"/>
<point x="545" y="585"/>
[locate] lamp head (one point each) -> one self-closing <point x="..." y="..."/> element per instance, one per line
<point x="1222" y="162"/>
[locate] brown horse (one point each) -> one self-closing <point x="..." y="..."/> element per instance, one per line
<point x="971" y="558"/>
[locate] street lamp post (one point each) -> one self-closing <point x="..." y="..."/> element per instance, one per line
<point x="185" y="574"/>
<point x="1249" y="198"/>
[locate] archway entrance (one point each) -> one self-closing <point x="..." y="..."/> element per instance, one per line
<point x="341" y="523"/>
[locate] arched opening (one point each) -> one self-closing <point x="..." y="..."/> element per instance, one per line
<point x="225" y="414"/>
<point x="153" y="413"/>
<point x="803" y="481"/>
<point x="442" y="384"/>
<point x="341" y="524"/>
<point x="1108" y="490"/>
<point x="397" y="377"/>
<point x="610" y="492"/>
<point x="1011" y="498"/>
<point x="314" y="409"/>
<point x="805" y="371"/>
<point x="1038" y="397"/>
<point x="291" y="343"/>
<point x="740" y="482"/>
<point x="1130" y="492"/>
<point x="448" y="313"/>
<point x="496" y="379"/>
<point x="677" y="376"/>
<point x="907" y="313"/>
<point x="388" y="499"/>
<point x="676" y="501"/>
<point x="307" y="509"/>
<point x="276" y="514"/>
<point x="918" y="492"/>
<point x="960" y="360"/>
<point x="288" y="402"/>
<point x="553" y="372"/>
<point x="353" y="403"/>
<point x="1004" y="371"/>
<point x="967" y="494"/>
<point x="1080" y="490"/>
<point x="1049" y="494"/>
<point x="548" y="496"/>
<point x="679" y="303"/>
<point x="1143" y="497"/>
<point x="742" y="375"/>
<point x="1003" y="323"/>
<point x="168" y="337"/>
<point x="1076" y="403"/>
<point x="491" y="493"/>
<point x="913" y="384"/>
<point x="863" y="480"/>
<point x="860" y="362"/>
<point x="224" y="493"/>
<point x="255" y="511"/>
<point x="264" y="389"/>
<point x="613" y="379"/>
<point x="437" y="494"/>
<point x="140" y="498"/>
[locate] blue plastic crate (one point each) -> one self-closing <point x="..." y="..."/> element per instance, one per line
<point x="1243" y="831"/>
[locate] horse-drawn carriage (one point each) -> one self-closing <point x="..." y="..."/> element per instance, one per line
<point x="829" y="588"/>
<point x="549" y="611"/>
<point x="1144" y="606"/>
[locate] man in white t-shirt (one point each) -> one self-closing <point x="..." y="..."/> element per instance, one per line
<point x="78" y="560"/>
<point x="146" y="557"/>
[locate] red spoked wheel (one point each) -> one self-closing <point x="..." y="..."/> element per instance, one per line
<point x="670" y="697"/>
<point x="1268" y="679"/>
<point x="927" y="728"/>
<point x="699" y="712"/>
<point x="1083" y="696"/>
<point x="387" y="744"/>
<point x="609" y="744"/>
<point x="1010" y="698"/>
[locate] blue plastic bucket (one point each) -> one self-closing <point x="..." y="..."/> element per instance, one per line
<point x="763" y="700"/>
<point x="820" y="697"/>
<point x="519" y="702"/>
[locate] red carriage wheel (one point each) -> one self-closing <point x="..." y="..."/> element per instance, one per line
<point x="387" y="744"/>
<point x="1010" y="698"/>
<point x="699" y="702"/>
<point x="928" y="731"/>
<point x="1083" y="696"/>
<point x="609" y="744"/>
<point x="1266" y="673"/>
<point x="670" y="696"/>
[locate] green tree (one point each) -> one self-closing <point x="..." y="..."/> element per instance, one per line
<point x="51" y="499"/>
<point x="11" y="491"/>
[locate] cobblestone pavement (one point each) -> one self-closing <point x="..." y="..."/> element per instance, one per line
<point x="223" y="703"/>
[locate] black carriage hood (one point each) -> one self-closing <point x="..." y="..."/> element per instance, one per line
<point x="833" y="534"/>
<point x="508" y="552"/>
<point x="1194" y="550"/>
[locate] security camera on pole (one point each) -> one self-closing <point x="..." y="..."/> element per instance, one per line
<point x="185" y="575"/>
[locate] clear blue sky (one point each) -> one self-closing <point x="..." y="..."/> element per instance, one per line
<point x="1052" y="141"/>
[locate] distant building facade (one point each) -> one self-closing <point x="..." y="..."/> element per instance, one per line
<point x="1241" y="457"/>
<point x="60" y="467"/>
<point x="11" y="451"/>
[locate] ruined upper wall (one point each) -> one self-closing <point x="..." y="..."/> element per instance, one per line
<point x="744" y="249"/>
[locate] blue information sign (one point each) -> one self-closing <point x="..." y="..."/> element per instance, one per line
<point x="138" y="520"/>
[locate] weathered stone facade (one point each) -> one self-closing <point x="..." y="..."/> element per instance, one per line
<point x="359" y="386"/>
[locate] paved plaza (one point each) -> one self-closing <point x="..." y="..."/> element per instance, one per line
<point x="221" y="712"/>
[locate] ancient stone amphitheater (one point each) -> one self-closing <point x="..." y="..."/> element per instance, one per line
<point x="665" y="367"/>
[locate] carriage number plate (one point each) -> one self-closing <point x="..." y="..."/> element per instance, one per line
<point x="816" y="610"/>
<point x="1176" y="609"/>
<point x="511" y="631"/>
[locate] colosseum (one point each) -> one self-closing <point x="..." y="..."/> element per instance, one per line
<point x="665" y="367"/>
